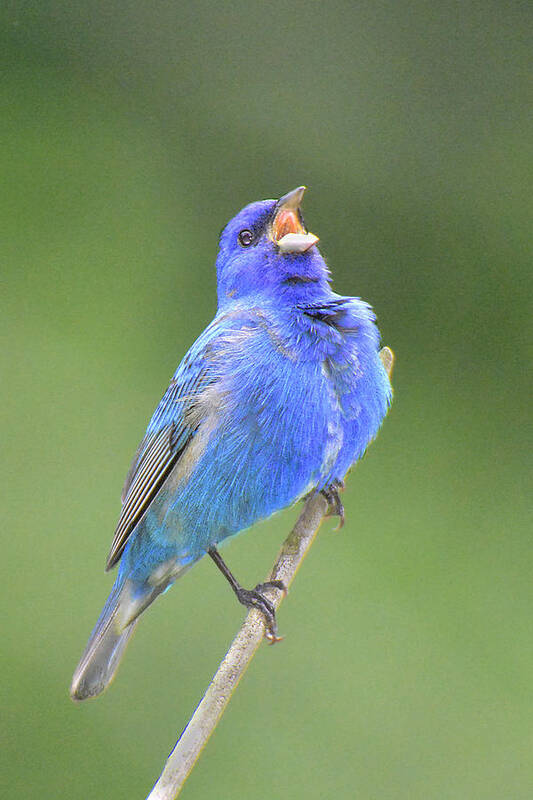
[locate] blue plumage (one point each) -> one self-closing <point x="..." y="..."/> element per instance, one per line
<point x="278" y="397"/>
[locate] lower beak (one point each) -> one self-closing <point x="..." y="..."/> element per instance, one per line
<point x="288" y="229"/>
<point x="297" y="242"/>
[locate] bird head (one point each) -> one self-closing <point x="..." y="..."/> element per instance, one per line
<point x="266" y="249"/>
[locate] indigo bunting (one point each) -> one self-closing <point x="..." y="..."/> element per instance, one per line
<point x="278" y="398"/>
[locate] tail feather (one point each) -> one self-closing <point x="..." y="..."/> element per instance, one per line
<point x="115" y="625"/>
<point x="104" y="650"/>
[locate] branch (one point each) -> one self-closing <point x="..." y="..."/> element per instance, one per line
<point x="213" y="704"/>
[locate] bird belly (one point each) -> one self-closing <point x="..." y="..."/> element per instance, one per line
<point x="269" y="447"/>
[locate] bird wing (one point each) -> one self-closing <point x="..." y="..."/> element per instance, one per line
<point x="168" y="433"/>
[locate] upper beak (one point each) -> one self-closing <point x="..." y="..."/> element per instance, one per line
<point x="288" y="230"/>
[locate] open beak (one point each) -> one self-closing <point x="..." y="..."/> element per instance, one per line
<point x="288" y="229"/>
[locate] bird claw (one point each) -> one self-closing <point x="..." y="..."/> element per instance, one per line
<point x="272" y="637"/>
<point x="254" y="598"/>
<point x="272" y="585"/>
<point x="335" y="506"/>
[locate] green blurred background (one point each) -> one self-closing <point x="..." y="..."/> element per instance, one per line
<point x="131" y="132"/>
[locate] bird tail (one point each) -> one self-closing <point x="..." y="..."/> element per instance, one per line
<point x="113" y="629"/>
<point x="110" y="635"/>
<point x="105" y="647"/>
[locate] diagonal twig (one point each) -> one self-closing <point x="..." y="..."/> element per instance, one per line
<point x="213" y="704"/>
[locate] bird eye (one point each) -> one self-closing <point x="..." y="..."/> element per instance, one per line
<point x="246" y="238"/>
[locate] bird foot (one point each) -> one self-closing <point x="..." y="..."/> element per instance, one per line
<point x="254" y="598"/>
<point x="335" y="506"/>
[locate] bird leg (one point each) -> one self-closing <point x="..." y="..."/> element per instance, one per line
<point x="335" y="506"/>
<point x="253" y="598"/>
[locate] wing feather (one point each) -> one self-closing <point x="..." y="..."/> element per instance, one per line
<point x="174" y="423"/>
<point x="168" y="433"/>
<point x="156" y="463"/>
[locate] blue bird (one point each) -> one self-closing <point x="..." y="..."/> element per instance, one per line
<point x="278" y="397"/>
